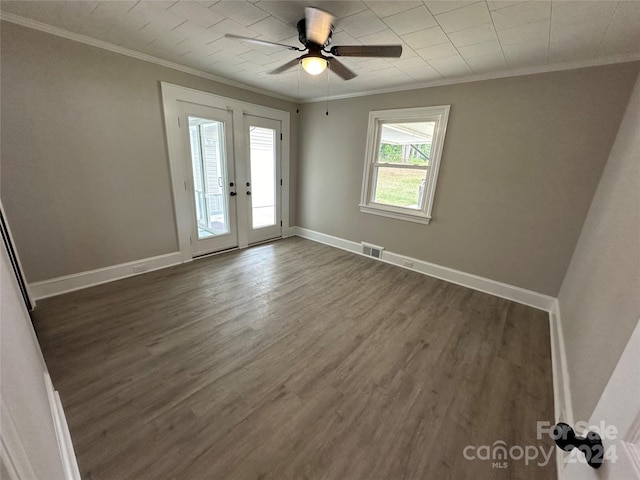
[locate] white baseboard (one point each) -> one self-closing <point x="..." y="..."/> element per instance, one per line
<point x="328" y="239"/>
<point x="77" y="281"/>
<point x="499" y="289"/>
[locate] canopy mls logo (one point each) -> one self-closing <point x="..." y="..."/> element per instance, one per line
<point x="500" y="453"/>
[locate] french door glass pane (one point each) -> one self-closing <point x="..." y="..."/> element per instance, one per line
<point x="262" y="146"/>
<point x="206" y="139"/>
<point x="399" y="187"/>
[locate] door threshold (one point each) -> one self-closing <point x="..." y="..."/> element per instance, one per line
<point x="269" y="240"/>
<point x="211" y="254"/>
<point x="226" y="250"/>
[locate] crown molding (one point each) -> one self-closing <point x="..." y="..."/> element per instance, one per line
<point x="77" y="37"/>
<point x="556" y="67"/>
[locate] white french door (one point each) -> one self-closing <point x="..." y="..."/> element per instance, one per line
<point x="208" y="137"/>
<point x="226" y="168"/>
<point x="263" y="165"/>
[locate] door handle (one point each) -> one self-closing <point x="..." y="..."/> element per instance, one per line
<point x="248" y="192"/>
<point x="591" y="445"/>
<point x="233" y="194"/>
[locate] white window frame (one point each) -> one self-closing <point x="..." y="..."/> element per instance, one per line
<point x="377" y="118"/>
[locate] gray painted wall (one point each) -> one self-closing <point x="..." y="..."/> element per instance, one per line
<point x="85" y="175"/>
<point x="600" y="296"/>
<point x="84" y="166"/>
<point x="85" y="180"/>
<point x="521" y="161"/>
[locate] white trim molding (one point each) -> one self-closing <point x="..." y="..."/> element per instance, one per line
<point x="515" y="72"/>
<point x="563" y="408"/>
<point x="439" y="116"/>
<point x="173" y="96"/>
<point x="561" y="385"/>
<point x="77" y="37"/>
<point x="475" y="282"/>
<point x="67" y="453"/>
<point x="78" y="281"/>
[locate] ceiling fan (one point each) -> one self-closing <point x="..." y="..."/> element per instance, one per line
<point x="314" y="32"/>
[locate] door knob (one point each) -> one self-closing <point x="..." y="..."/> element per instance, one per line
<point x="591" y="445"/>
<point x="248" y="193"/>
<point x="233" y="194"/>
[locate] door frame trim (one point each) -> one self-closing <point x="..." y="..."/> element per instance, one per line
<point x="171" y="95"/>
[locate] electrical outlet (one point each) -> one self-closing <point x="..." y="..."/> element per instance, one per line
<point x="140" y="268"/>
<point x="407" y="263"/>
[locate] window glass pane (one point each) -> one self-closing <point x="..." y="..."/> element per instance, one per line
<point x="208" y="164"/>
<point x="399" y="187"/>
<point x="263" y="176"/>
<point x="406" y="143"/>
<point x="404" y="149"/>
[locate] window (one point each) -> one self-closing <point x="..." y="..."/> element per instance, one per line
<point x="401" y="163"/>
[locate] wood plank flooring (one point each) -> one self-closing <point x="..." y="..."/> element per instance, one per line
<point x="294" y="360"/>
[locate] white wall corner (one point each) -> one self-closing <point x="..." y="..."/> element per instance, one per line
<point x="78" y="281"/>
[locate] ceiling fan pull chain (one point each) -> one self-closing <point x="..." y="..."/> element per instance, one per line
<point x="298" y="106"/>
<point x="328" y="76"/>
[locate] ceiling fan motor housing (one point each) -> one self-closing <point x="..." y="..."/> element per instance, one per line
<point x="302" y="34"/>
<point x="315" y="32"/>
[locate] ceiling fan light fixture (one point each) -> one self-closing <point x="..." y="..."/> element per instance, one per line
<point x="314" y="32"/>
<point x="314" y="65"/>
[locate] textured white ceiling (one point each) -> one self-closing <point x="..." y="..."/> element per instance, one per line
<point x="441" y="40"/>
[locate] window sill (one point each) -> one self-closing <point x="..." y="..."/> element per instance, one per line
<point x="397" y="213"/>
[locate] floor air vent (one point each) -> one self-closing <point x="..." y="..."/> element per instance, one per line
<point x="372" y="250"/>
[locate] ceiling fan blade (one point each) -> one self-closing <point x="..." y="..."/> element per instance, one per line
<point x="318" y="24"/>
<point x="340" y="69"/>
<point x="286" y="66"/>
<point x="392" y="51"/>
<point x="262" y="42"/>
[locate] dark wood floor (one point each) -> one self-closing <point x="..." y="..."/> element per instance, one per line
<point x="294" y="360"/>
